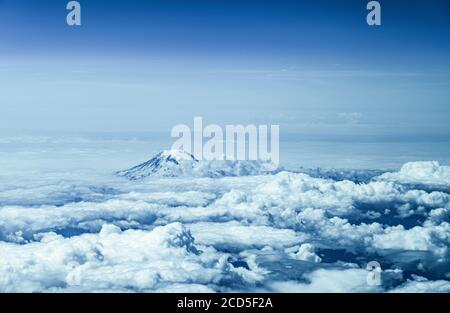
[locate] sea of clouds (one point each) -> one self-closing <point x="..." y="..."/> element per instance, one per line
<point x="291" y="231"/>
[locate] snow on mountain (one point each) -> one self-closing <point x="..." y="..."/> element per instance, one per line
<point x="168" y="163"/>
<point x="176" y="163"/>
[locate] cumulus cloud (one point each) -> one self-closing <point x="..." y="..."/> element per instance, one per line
<point x="111" y="260"/>
<point x="306" y="252"/>
<point x="234" y="235"/>
<point x="277" y="232"/>
<point x="328" y="280"/>
<point x="430" y="172"/>
<point x="420" y="285"/>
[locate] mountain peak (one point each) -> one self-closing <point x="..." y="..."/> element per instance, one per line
<point x="168" y="163"/>
<point x="176" y="155"/>
<point x="176" y="163"/>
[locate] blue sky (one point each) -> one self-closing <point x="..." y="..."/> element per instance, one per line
<point x="314" y="67"/>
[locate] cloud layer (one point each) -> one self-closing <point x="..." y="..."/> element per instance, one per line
<point x="279" y="232"/>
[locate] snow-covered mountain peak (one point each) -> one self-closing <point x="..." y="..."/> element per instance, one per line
<point x="176" y="163"/>
<point x="176" y="155"/>
<point x="168" y="163"/>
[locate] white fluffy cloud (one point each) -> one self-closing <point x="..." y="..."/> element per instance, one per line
<point x="430" y="172"/>
<point x="420" y="285"/>
<point x="307" y="252"/>
<point x="282" y="232"/>
<point x="328" y="280"/>
<point x="110" y="260"/>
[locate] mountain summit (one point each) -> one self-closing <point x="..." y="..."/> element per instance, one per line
<point x="176" y="163"/>
<point x="168" y="163"/>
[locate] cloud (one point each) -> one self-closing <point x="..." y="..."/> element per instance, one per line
<point x="277" y="232"/>
<point x="307" y="252"/>
<point x="430" y="172"/>
<point x="328" y="280"/>
<point x="234" y="235"/>
<point x="110" y="260"/>
<point x="423" y="285"/>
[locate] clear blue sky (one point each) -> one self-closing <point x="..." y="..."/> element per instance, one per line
<point x="311" y="66"/>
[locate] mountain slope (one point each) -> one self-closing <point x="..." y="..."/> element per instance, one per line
<point x="176" y="163"/>
<point x="168" y="163"/>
